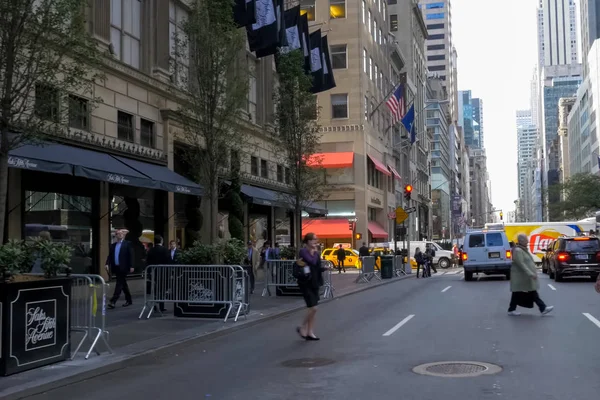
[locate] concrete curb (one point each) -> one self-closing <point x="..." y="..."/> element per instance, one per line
<point x="123" y="361"/>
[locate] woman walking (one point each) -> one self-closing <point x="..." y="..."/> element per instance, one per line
<point x="523" y="279"/>
<point x="309" y="282"/>
<point x="421" y="262"/>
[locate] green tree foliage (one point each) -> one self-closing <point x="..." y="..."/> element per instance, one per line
<point x="297" y="133"/>
<point x="236" y="205"/>
<point x="579" y="198"/>
<point x="46" y="53"/>
<point x="210" y="69"/>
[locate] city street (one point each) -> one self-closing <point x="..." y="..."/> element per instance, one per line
<point x="371" y="341"/>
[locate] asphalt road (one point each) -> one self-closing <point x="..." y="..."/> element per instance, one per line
<point x="376" y="337"/>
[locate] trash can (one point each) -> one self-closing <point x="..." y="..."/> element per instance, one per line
<point x="387" y="267"/>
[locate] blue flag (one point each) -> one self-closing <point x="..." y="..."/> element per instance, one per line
<point x="408" y="122"/>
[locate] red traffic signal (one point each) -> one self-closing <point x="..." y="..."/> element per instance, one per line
<point x="408" y="188"/>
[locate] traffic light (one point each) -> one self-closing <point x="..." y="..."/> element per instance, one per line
<point x="358" y="236"/>
<point x="407" y="191"/>
<point x="501" y="215"/>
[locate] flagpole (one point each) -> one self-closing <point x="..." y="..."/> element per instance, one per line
<point x="383" y="101"/>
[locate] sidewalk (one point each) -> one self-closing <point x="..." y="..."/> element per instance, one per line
<point x="132" y="339"/>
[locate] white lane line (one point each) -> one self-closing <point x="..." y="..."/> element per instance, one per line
<point x="446" y="289"/>
<point x="592" y="319"/>
<point x="399" y="325"/>
<point x="551" y="287"/>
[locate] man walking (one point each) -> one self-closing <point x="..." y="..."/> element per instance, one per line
<point x="173" y="252"/>
<point x="341" y="256"/>
<point x="120" y="263"/>
<point x="253" y="260"/>
<point x="158" y="255"/>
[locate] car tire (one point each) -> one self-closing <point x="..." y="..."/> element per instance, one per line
<point x="507" y="276"/>
<point x="550" y="273"/>
<point x="544" y="268"/>
<point x="468" y="276"/>
<point x="558" y="277"/>
<point x="593" y="278"/>
<point x="444" y="263"/>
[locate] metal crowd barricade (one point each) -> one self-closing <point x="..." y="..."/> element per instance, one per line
<point x="85" y="290"/>
<point x="367" y="270"/>
<point x="399" y="267"/>
<point x="280" y="273"/>
<point x="197" y="285"/>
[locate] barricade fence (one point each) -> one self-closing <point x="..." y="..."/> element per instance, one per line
<point x="280" y="273"/>
<point x="197" y="285"/>
<point x="88" y="293"/>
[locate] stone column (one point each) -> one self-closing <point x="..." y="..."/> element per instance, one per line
<point x="101" y="21"/>
<point x="104" y="227"/>
<point x="15" y="204"/>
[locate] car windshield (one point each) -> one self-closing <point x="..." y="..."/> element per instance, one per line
<point x="582" y="245"/>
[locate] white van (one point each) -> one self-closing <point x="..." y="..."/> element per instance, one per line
<point x="488" y="252"/>
<point x="442" y="257"/>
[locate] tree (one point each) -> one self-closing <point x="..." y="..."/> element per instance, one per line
<point x="208" y="65"/>
<point x="236" y="206"/>
<point x="580" y="198"/>
<point x="297" y="133"/>
<point x="46" y="55"/>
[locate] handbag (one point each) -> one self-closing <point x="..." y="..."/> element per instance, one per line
<point x="525" y="299"/>
<point x="300" y="271"/>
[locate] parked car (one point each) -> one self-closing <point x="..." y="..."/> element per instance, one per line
<point x="488" y="252"/>
<point x="574" y="256"/>
<point x="547" y="253"/>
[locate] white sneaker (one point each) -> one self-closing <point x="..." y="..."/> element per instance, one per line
<point x="514" y="313"/>
<point x="547" y="310"/>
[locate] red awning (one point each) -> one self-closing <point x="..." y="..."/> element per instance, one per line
<point x="377" y="231"/>
<point x="331" y="160"/>
<point x="379" y="166"/>
<point x="327" y="228"/>
<point x="395" y="173"/>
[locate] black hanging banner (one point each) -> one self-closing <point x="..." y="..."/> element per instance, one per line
<point x="244" y="12"/>
<point x="293" y="30"/>
<point x="305" y="41"/>
<point x="316" y="61"/>
<point x="264" y="34"/>
<point x="328" y="79"/>
<point x="281" y="32"/>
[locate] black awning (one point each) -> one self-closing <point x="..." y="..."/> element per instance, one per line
<point x="260" y="196"/>
<point x="168" y="180"/>
<point x="313" y="208"/>
<point x="63" y="159"/>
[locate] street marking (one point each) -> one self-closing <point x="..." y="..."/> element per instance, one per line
<point x="399" y="325"/>
<point x="446" y="289"/>
<point x="592" y="319"/>
<point x="551" y="287"/>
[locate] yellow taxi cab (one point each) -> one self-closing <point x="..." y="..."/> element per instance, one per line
<point x="413" y="262"/>
<point x="352" y="259"/>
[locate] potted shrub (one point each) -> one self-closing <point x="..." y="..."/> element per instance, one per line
<point x="34" y="309"/>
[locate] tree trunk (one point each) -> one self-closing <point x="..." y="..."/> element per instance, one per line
<point x="3" y="186"/>
<point x="298" y="225"/>
<point x="214" y="210"/>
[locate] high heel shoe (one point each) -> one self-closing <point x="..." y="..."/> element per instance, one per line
<point x="312" y="338"/>
<point x="300" y="333"/>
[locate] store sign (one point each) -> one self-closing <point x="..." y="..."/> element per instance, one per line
<point x="40" y="324"/>
<point x="182" y="189"/>
<point x="18" y="162"/>
<point x="376" y="200"/>
<point x="114" y="178"/>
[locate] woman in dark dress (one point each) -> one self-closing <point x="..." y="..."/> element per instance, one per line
<point x="309" y="283"/>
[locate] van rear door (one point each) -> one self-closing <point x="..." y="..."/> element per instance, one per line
<point x="495" y="246"/>
<point x="475" y="248"/>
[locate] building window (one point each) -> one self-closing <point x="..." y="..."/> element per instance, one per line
<point x="366" y="106"/>
<point x="436" y="47"/>
<point x="279" y="173"/>
<point x="47" y="102"/>
<point x="394" y="23"/>
<point x="375" y="29"/>
<point x="252" y="98"/>
<point x="339" y="106"/>
<point x="437" y="68"/>
<point x="365" y="57"/>
<point x="308" y="7"/>
<point x="79" y="113"/>
<point x="381" y="80"/>
<point x="435" y="16"/>
<point x="384" y="12"/>
<point x="370" y="20"/>
<point x="254" y="166"/>
<point x="337" y="9"/>
<point x="431" y="6"/>
<point x="364" y="11"/>
<point x="125" y="30"/>
<point x="380" y="37"/>
<point x="264" y="169"/>
<point x="376" y="75"/>
<point x="371" y="68"/>
<point x="235" y="162"/>
<point x="288" y="176"/>
<point x="339" y="56"/>
<point x="373" y="175"/>
<point x="178" y="47"/>
<point x="436" y="36"/>
<point x="436" y="58"/>
<point x="125" y="127"/>
<point x="147" y="133"/>
<point x="392" y="2"/>
<point x="435" y="26"/>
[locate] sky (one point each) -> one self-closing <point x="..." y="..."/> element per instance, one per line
<point x="496" y="43"/>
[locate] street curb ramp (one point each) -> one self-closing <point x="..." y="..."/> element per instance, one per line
<point x="119" y="362"/>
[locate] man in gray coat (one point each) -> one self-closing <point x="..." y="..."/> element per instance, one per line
<point x="523" y="279"/>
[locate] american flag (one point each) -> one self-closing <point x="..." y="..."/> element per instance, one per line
<point x="396" y="104"/>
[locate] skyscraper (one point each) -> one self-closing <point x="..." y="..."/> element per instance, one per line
<point x="526" y="148"/>
<point x="478" y="120"/>
<point x="590" y="29"/>
<point x="557" y="33"/>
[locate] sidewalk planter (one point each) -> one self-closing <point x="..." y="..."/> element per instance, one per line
<point x="34" y="323"/>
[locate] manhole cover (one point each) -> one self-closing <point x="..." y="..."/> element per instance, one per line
<point x="307" y="362"/>
<point x="457" y="369"/>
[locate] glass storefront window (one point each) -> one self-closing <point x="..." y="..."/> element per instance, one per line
<point x="62" y="218"/>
